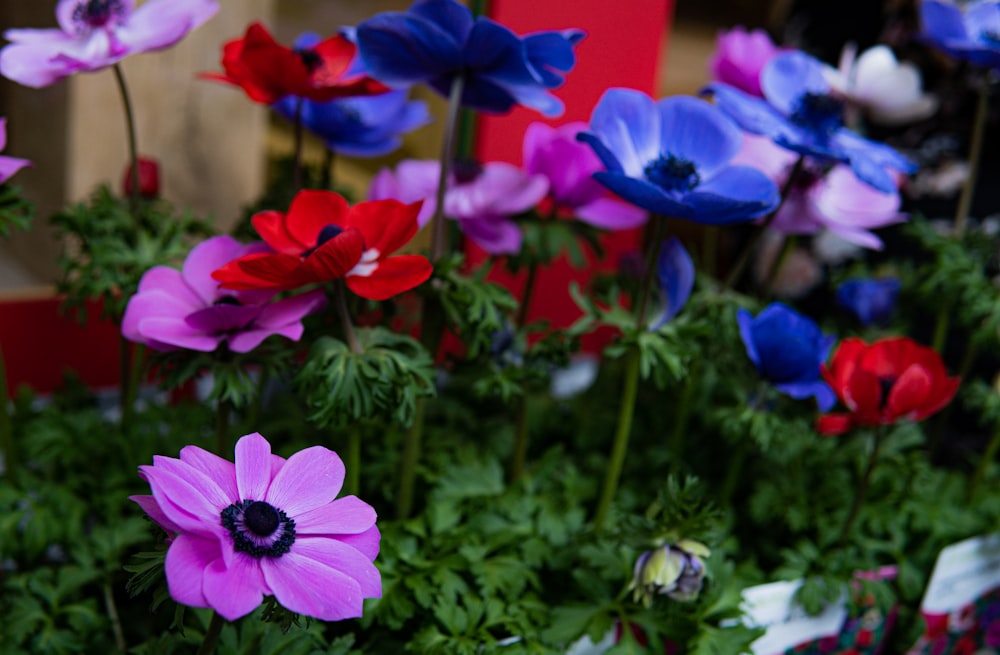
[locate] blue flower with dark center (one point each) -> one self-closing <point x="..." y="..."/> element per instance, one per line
<point x="971" y="35"/>
<point x="788" y="349"/>
<point x="872" y="301"/>
<point x="436" y="41"/>
<point x="804" y="114"/>
<point x="672" y="158"/>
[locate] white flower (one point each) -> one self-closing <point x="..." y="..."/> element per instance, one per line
<point x="889" y="91"/>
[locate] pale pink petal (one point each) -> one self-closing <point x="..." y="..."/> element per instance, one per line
<point x="33" y="64"/>
<point x="11" y="165"/>
<point x="162" y="23"/>
<point x="204" y="259"/>
<point x="611" y="214"/>
<point x="309" y="479"/>
<point x="170" y="281"/>
<point x="221" y="471"/>
<point x="175" y="332"/>
<point x="367" y="542"/>
<point x="496" y="235"/>
<point x="191" y="518"/>
<point x="236" y="588"/>
<point x="344" y="558"/>
<point x="304" y="585"/>
<point x="195" y="479"/>
<point x="246" y="340"/>
<point x="253" y="467"/>
<point x="347" y="515"/>
<point x="152" y="509"/>
<point x="187" y="559"/>
<point x="412" y="180"/>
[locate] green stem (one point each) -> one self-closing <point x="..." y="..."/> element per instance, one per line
<point x="526" y="295"/>
<point x="862" y="489"/>
<point x="211" y="639"/>
<point x="408" y="465"/>
<point x="133" y="142"/>
<point x="649" y="272"/>
<point x="6" y="428"/>
<point x="222" y="411"/>
<point x="297" y="151"/>
<point x="975" y="150"/>
<point x="748" y="249"/>
<point x="676" y="443"/>
<point x="520" y="438"/>
<point x="116" y="623"/>
<point x="352" y="483"/>
<point x="981" y="467"/>
<point x="612" y="474"/>
<point x="350" y="336"/>
<point x="941" y="326"/>
<point x="439" y="232"/>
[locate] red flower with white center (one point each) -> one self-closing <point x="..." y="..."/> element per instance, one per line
<point x="268" y="71"/>
<point x="890" y="380"/>
<point x="321" y="239"/>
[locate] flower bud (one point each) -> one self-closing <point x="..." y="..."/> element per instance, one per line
<point x="149" y="179"/>
<point x="676" y="570"/>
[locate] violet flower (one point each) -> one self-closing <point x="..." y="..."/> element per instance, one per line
<point x="481" y="198"/>
<point x="803" y="113"/>
<point x="740" y="56"/>
<point x="8" y="165"/>
<point x="871" y="300"/>
<point x="263" y="526"/>
<point x="970" y="35"/>
<point x="94" y="34"/>
<point x="188" y="309"/>
<point x="569" y="167"/>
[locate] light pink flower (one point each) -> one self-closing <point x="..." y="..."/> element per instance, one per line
<point x="740" y="56"/>
<point x="263" y="526"/>
<point x="8" y="165"/>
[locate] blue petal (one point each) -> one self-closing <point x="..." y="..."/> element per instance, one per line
<point x="788" y="343"/>
<point x="982" y="20"/>
<point x="306" y="40"/>
<point x="607" y="157"/>
<point x="825" y="398"/>
<point x="452" y="17"/>
<point x="550" y="55"/>
<point x="537" y="98"/>
<point x="871" y="301"/>
<point x="486" y="95"/>
<point x="493" y="50"/>
<point x="789" y="76"/>
<point x="942" y="21"/>
<point x="751" y="113"/>
<point x="737" y="193"/>
<point x="628" y="124"/>
<point x="644" y="194"/>
<point x="745" y="322"/>
<point x="675" y="272"/>
<point x="694" y="130"/>
<point x="399" y="49"/>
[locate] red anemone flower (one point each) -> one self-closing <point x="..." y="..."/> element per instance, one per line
<point x="885" y="382"/>
<point x="268" y="71"/>
<point x="321" y="238"/>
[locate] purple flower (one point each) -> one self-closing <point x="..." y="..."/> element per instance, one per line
<point x="740" y="56"/>
<point x="482" y="198"/>
<point x="263" y="526"/>
<point x="970" y="35"/>
<point x="870" y="300"/>
<point x="188" y="309"/>
<point x="674" y="570"/>
<point x="8" y="165"/>
<point x="803" y="113"/>
<point x="675" y="272"/>
<point x="788" y="349"/>
<point x="569" y="167"/>
<point x="672" y="158"/>
<point x="94" y="34"/>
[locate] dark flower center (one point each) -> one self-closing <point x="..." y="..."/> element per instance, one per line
<point x="259" y="529"/>
<point x="328" y="232"/>
<point x="886" y="384"/>
<point x="820" y="112"/>
<point x="310" y="58"/>
<point x="227" y="300"/>
<point x="97" y="13"/>
<point x="672" y="173"/>
<point x="466" y="170"/>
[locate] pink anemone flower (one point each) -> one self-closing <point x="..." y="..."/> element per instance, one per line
<point x="8" y="165"/>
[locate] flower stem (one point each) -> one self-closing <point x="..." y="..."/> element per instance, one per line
<point x="133" y="142"/>
<point x="787" y="247"/>
<point x="861" y="490"/>
<point x="222" y="410"/>
<point x="520" y="438"/>
<point x="297" y="152"/>
<point x="984" y="463"/>
<point x="439" y="233"/>
<point x="212" y="634"/>
<point x="352" y="483"/>
<point x="6" y="429"/>
<point x="116" y="623"/>
<point x="408" y="465"/>
<point x="975" y="150"/>
<point x="350" y="336"/>
<point x="748" y="249"/>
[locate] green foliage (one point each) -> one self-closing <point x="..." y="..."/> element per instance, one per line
<point x="475" y="307"/>
<point x="16" y="212"/>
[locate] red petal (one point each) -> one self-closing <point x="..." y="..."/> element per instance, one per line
<point x="393" y="276"/>
<point x="311" y="211"/>
<point x="269" y="271"/>
<point x="942" y="393"/>
<point x="337" y="54"/>
<point x="336" y="257"/>
<point x="388" y="225"/>
<point x="888" y="358"/>
<point x="863" y="396"/>
<point x="270" y="225"/>
<point x="843" y="364"/>
<point x="268" y="66"/>
<point x="910" y="393"/>
<point x="832" y="424"/>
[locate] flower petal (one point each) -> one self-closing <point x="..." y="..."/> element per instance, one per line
<point x="910" y="392"/>
<point x="393" y="276"/>
<point x="734" y="194"/>
<point x="675" y="272"/>
<point x="344" y="558"/>
<point x="187" y="560"/>
<point x="788" y="77"/>
<point x="219" y="470"/>
<point x="400" y="49"/>
<point x="611" y="214"/>
<point x="311" y="211"/>
<point x="234" y="590"/>
<point x="347" y="515"/>
<point x="643" y="194"/>
<point x="627" y="123"/>
<point x="253" y="467"/>
<point x="309" y="479"/>
<point x="695" y="131"/>
<point x="834" y="424"/>
<point x="306" y="586"/>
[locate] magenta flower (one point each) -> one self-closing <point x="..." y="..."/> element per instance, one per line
<point x="740" y="56"/>
<point x="835" y="200"/>
<point x="188" y="309"/>
<point x="8" y="165"/>
<point x="263" y="526"/>
<point x="94" y="34"/>
<point x="482" y="198"/>
<point x="569" y="166"/>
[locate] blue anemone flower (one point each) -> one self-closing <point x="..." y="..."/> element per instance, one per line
<point x="672" y="158"/>
<point x="435" y="41"/>
<point x="675" y="272"/>
<point x="972" y="35"/>
<point x="788" y="349"/>
<point x="870" y="300"/>
<point x="803" y="113"/>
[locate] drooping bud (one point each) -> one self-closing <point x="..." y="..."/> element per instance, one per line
<point x="674" y="570"/>
<point x="149" y="179"/>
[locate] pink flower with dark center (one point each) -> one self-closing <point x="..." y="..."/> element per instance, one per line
<point x="8" y="165"/>
<point x="481" y="197"/>
<point x="188" y="309"/>
<point x="569" y="166"/>
<point x="94" y="34"/>
<point x="263" y="526"/>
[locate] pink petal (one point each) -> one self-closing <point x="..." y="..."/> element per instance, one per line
<point x="611" y="214"/>
<point x="32" y="64"/>
<point x="413" y="180"/>
<point x="496" y="235"/>
<point x="341" y="557"/>
<point x="186" y="512"/>
<point x="152" y="509"/>
<point x="247" y="340"/>
<point x="309" y="479"/>
<point x="291" y="310"/>
<point x="304" y="585"/>
<point x="187" y="559"/>
<point x="205" y="258"/>
<point x="221" y="471"/>
<point x="253" y="467"/>
<point x="160" y="24"/>
<point x="170" y="281"/>
<point x="195" y="479"/>
<point x="237" y="589"/>
<point x="175" y="332"/>
<point x="367" y="542"/>
<point x="347" y="515"/>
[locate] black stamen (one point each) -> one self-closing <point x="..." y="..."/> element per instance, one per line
<point x="328" y="232"/>
<point x="466" y="170"/>
<point x="227" y="300"/>
<point x="261" y="519"/>
<point x="310" y="58"/>
<point x="258" y="529"/>
<point x="819" y="111"/>
<point x="96" y="13"/>
<point x="886" y="384"/>
<point x="672" y="173"/>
